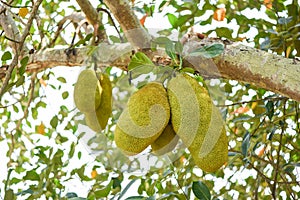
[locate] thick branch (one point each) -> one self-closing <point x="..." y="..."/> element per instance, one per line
<point x="93" y="17"/>
<point x="238" y="62"/>
<point x="246" y="64"/>
<point x="128" y="21"/>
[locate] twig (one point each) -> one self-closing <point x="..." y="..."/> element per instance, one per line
<point x="179" y="185"/>
<point x="267" y="179"/>
<point x="287" y="186"/>
<point x="256" y="100"/>
<point x="16" y="57"/>
<point x="8" y="4"/>
<point x="297" y="117"/>
<point x="113" y="22"/>
<point x="93" y="17"/>
<point x="278" y="155"/>
<point x="75" y="18"/>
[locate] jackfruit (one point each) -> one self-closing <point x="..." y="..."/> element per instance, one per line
<point x="143" y="120"/>
<point x="87" y="91"/>
<point x="166" y="142"/>
<point x="198" y="122"/>
<point x="97" y="121"/>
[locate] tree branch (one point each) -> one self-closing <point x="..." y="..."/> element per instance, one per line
<point x="247" y="64"/>
<point x="131" y="26"/>
<point x="94" y="18"/>
<point x="20" y="47"/>
<point x="269" y="71"/>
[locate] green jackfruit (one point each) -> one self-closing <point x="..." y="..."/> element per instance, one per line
<point x="87" y="91"/>
<point x="97" y="121"/>
<point x="143" y="120"/>
<point x="198" y="122"/>
<point x="166" y="142"/>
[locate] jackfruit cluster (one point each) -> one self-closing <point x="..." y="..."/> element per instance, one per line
<point x="93" y="97"/>
<point x="158" y="117"/>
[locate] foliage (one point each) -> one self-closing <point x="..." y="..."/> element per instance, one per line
<point x="44" y="136"/>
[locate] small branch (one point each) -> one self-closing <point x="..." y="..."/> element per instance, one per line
<point x="113" y="22"/>
<point x="278" y="155"/>
<point x="94" y="18"/>
<point x="20" y="47"/>
<point x="132" y="28"/>
<point x="75" y="18"/>
<point x="256" y="100"/>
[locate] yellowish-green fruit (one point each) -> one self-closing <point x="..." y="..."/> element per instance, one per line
<point x="198" y="122"/>
<point x="97" y="121"/>
<point x="166" y="142"/>
<point x="87" y="91"/>
<point x="143" y="120"/>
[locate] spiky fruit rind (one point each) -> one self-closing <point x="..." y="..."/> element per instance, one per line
<point x="87" y="91"/>
<point x="166" y="142"/>
<point x="143" y="120"/>
<point x="98" y="120"/>
<point x="198" y="122"/>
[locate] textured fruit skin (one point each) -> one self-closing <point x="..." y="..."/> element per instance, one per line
<point x="198" y="122"/>
<point x="97" y="121"/>
<point x="166" y="142"/>
<point x="87" y="91"/>
<point x="143" y="120"/>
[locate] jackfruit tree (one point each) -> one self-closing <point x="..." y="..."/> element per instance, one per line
<point x="149" y="99"/>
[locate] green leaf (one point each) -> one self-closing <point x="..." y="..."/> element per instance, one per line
<point x="246" y="144"/>
<point x="6" y="56"/>
<point x="31" y="175"/>
<point x="172" y="19"/>
<point x="61" y="79"/>
<point x="178" y="47"/>
<point x="34" y="112"/>
<point x="103" y="192"/>
<point x="170" y="50"/>
<point x="270" y="109"/>
<point x="224" y="32"/>
<point x="208" y="51"/>
<point x="9" y="195"/>
<point x="139" y="59"/>
<point x="54" y="121"/>
<point x="81" y="174"/>
<point x="20" y="81"/>
<point x="72" y="150"/>
<point x="162" y="40"/>
<point x="71" y="195"/>
<point x="41" y="104"/>
<point x="14" y="181"/>
<point x="23" y="63"/>
<point x="65" y="94"/>
<point x="82" y="41"/>
<point x="201" y="191"/>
